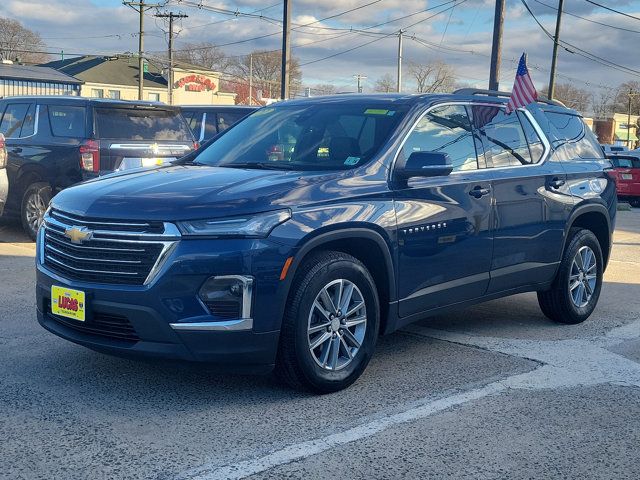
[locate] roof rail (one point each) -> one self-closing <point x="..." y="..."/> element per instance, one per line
<point x="494" y="93"/>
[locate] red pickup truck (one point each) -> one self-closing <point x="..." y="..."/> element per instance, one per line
<point x="627" y="172"/>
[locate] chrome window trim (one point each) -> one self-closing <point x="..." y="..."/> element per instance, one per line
<point x="147" y="146"/>
<point x="202" y="126"/>
<point x="536" y="127"/>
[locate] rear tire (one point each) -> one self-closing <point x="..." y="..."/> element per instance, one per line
<point x="345" y="334"/>
<point x="576" y="288"/>
<point x="35" y="202"/>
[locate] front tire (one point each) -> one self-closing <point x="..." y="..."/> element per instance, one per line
<point x="35" y="202"/>
<point x="331" y="324"/>
<point x="576" y="289"/>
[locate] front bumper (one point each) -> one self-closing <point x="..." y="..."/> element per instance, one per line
<point x="166" y="319"/>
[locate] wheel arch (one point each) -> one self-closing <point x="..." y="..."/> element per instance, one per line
<point x="593" y="217"/>
<point x="365" y="244"/>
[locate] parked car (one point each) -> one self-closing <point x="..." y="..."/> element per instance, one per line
<point x="627" y="173"/>
<point x="614" y="148"/>
<point x="4" y="181"/>
<point x="55" y="142"/>
<point x="206" y="121"/>
<point x="387" y="209"/>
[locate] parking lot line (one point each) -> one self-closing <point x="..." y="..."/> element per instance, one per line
<point x="565" y="363"/>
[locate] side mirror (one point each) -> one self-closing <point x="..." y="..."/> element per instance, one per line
<point x="426" y="164"/>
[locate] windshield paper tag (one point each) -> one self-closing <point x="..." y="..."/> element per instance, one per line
<point x="378" y="111"/>
<point x="352" y="160"/>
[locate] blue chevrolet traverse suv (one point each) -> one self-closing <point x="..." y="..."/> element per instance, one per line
<point x="312" y="226"/>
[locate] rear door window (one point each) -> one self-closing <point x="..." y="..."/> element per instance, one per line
<point x="194" y="119"/>
<point x="67" y="121"/>
<point x="446" y="129"/>
<point x="503" y="139"/>
<point x="13" y="118"/>
<point x="141" y="124"/>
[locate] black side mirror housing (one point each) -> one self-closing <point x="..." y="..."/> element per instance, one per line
<point x="426" y="164"/>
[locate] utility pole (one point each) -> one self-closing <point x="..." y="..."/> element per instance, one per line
<point x="251" y="79"/>
<point x="170" y="16"/>
<point x="140" y="7"/>
<point x="631" y="95"/>
<point x="496" y="50"/>
<point x="554" y="57"/>
<point x="399" y="87"/>
<point x="359" y="77"/>
<point x="286" y="50"/>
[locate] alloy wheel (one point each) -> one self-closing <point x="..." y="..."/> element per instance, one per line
<point x="337" y="324"/>
<point x="34" y="210"/>
<point x="583" y="277"/>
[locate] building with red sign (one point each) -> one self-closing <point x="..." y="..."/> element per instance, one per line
<point x="117" y="77"/>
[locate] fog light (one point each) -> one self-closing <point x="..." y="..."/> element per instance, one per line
<point x="228" y="296"/>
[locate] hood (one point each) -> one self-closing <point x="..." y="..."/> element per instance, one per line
<point x="188" y="192"/>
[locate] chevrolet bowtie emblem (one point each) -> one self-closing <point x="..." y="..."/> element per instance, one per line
<point x="78" y="234"/>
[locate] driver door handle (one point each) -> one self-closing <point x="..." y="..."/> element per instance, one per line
<point x="479" y="191"/>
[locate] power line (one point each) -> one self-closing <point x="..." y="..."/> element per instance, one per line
<point x="569" y="47"/>
<point x="400" y="32"/>
<point x="613" y="10"/>
<point x="588" y="19"/>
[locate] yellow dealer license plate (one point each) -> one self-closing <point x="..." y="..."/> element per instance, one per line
<point x="67" y="303"/>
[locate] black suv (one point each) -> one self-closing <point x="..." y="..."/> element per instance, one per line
<point x="55" y="142"/>
<point x="206" y="121"/>
<point x="313" y="225"/>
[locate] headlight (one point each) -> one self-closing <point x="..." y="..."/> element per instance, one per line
<point x="258" y="225"/>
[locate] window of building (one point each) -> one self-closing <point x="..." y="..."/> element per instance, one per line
<point x="445" y="129"/>
<point x="97" y="93"/>
<point x="154" y="97"/>
<point x="114" y="94"/>
<point x="13" y="118"/>
<point x="67" y="121"/>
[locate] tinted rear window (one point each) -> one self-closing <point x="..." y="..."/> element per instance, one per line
<point x="13" y="119"/>
<point x="626" y="162"/>
<point x="576" y="135"/>
<point x="141" y="124"/>
<point x="67" y="121"/>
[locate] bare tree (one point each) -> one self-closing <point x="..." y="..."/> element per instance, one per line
<point x="573" y="97"/>
<point x="18" y="42"/>
<point x="621" y="101"/>
<point x="266" y="72"/>
<point x="386" y="83"/>
<point x="434" y="77"/>
<point x="323" y="89"/>
<point x="203" y="54"/>
<point x="602" y="103"/>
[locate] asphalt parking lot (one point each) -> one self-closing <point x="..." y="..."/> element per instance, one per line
<point x="495" y="391"/>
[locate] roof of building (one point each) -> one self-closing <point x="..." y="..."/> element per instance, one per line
<point x="33" y="72"/>
<point x="115" y="70"/>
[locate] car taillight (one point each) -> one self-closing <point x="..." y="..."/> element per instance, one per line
<point x="196" y="145"/>
<point x="3" y="151"/>
<point x="90" y="156"/>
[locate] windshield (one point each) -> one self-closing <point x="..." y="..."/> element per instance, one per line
<point x="306" y="137"/>
<point x="141" y="124"/>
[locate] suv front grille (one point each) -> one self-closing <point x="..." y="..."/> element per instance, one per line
<point x="115" y="252"/>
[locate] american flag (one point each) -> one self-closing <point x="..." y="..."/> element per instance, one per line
<point x="523" y="92"/>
